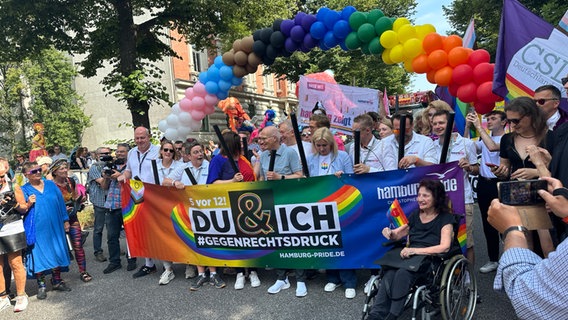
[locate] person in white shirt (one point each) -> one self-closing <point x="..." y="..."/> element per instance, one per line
<point x="371" y="159"/>
<point x="288" y="138"/>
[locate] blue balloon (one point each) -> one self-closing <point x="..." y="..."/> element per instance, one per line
<point x="323" y="46"/>
<point x="331" y="18"/>
<point x="213" y="74"/>
<point x="203" y="77"/>
<point x="211" y="87"/>
<point x="237" y="81"/>
<point x="330" y="40"/>
<point x="224" y="85"/>
<point x="218" y="62"/>
<point x="347" y="12"/>
<point x="322" y="13"/>
<point x="226" y="73"/>
<point x="343" y="46"/>
<point x="222" y="95"/>
<point x="318" y="30"/>
<point x="341" y="29"/>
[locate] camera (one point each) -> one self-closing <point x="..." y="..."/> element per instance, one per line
<point x="110" y="164"/>
<point x="521" y="193"/>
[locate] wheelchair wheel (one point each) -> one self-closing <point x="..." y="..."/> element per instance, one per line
<point x="372" y="290"/>
<point x="458" y="294"/>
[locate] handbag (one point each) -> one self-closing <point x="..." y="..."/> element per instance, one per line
<point x="392" y="259"/>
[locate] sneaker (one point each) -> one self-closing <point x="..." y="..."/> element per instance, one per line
<point x="215" y="280"/>
<point x="279" y="285"/>
<point x="61" y="286"/>
<point x="301" y="290"/>
<point x="254" y="280"/>
<point x="330" y="286"/>
<point x="21" y="303"/>
<point x="489" y="267"/>
<point x="5" y="303"/>
<point x="190" y="272"/>
<point x="111" y="268"/>
<point x="199" y="281"/>
<point x="240" y="281"/>
<point x="100" y="257"/>
<point x="41" y="293"/>
<point x="144" y="271"/>
<point x="131" y="264"/>
<point x="166" y="277"/>
<point x="350" y="293"/>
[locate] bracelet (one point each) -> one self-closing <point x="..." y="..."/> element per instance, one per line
<point x="522" y="229"/>
<point x="283" y="177"/>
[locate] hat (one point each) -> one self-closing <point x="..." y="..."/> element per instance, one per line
<point x="44" y="160"/>
<point x="57" y="164"/>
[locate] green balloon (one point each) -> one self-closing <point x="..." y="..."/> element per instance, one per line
<point x="382" y="25"/>
<point x="374" y="15"/>
<point x="365" y="48"/>
<point x="375" y="46"/>
<point x="366" y="32"/>
<point x="352" y="42"/>
<point x="356" y="19"/>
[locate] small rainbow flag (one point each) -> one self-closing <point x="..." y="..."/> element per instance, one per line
<point x="396" y="214"/>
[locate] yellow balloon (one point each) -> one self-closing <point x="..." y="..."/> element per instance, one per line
<point x="423" y="30"/>
<point x="412" y="48"/>
<point x="386" y="56"/>
<point x="389" y="39"/>
<point x="408" y="65"/>
<point x="399" y="22"/>
<point x="397" y="53"/>
<point x="406" y="32"/>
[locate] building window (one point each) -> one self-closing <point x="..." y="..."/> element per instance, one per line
<point x="268" y="83"/>
<point x="199" y="59"/>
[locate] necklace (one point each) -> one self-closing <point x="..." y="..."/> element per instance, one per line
<point x="526" y="137"/>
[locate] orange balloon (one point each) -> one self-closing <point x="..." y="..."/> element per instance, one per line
<point x="457" y="56"/>
<point x="431" y="76"/>
<point x="432" y="41"/>
<point x="420" y="64"/>
<point x="443" y="76"/>
<point x="436" y="59"/>
<point x="451" y="42"/>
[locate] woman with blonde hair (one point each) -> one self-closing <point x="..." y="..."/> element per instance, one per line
<point x="428" y="115"/>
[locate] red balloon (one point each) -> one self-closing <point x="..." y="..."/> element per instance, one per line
<point x="420" y="64"/>
<point x="483" y="108"/>
<point x="432" y="41"/>
<point x="437" y="59"/>
<point x="453" y="88"/>
<point x="477" y="57"/>
<point x="443" y="76"/>
<point x="485" y="93"/>
<point x="483" y="72"/>
<point x="468" y="92"/>
<point x="462" y="74"/>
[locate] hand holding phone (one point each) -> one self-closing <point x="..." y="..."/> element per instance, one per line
<point x="521" y="193"/>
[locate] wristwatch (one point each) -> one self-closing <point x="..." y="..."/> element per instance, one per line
<point x="522" y="229"/>
<point x="283" y="177"/>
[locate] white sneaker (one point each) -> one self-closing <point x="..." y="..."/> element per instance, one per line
<point x="301" y="290"/>
<point x="279" y="285"/>
<point x="350" y="293"/>
<point x="254" y="280"/>
<point x="190" y="271"/>
<point x="489" y="267"/>
<point x="21" y="303"/>
<point x="5" y="303"/>
<point x="166" y="277"/>
<point x="330" y="286"/>
<point x="240" y="281"/>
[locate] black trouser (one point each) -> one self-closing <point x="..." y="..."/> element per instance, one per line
<point x="486" y="192"/>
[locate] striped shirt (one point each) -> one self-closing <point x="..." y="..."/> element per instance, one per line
<point x="97" y="195"/>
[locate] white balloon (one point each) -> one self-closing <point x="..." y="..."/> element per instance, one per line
<point x="171" y="134"/>
<point x="176" y="109"/>
<point x="173" y="121"/>
<point x="185" y="119"/>
<point x="163" y="125"/>
<point x="183" y="132"/>
<point x="195" y="125"/>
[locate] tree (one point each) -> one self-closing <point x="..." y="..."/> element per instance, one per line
<point x="129" y="35"/>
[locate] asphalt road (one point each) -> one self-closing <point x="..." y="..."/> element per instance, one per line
<point x="119" y="296"/>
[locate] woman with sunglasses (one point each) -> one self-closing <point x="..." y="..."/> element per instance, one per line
<point x="45" y="224"/>
<point x="428" y="116"/>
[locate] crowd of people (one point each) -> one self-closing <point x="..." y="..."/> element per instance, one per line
<point x="38" y="245"/>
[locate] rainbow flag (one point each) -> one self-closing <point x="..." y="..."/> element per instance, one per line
<point x="396" y="214"/>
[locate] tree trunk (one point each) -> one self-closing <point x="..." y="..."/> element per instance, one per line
<point x="139" y="111"/>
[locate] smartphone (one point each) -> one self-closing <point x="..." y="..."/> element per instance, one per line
<point x="491" y="165"/>
<point x="521" y="193"/>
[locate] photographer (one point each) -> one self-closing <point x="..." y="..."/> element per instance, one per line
<point x="535" y="286"/>
<point x="98" y="183"/>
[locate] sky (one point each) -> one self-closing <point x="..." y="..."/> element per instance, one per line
<point x="429" y="11"/>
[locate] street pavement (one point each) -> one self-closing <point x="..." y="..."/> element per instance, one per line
<point x="119" y="296"/>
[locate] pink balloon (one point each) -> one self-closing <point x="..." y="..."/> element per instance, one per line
<point x="209" y="109"/>
<point x="189" y="93"/>
<point x="197" y="103"/>
<point x="185" y="104"/>
<point x="199" y="89"/>
<point x="197" y="115"/>
<point x="211" y="100"/>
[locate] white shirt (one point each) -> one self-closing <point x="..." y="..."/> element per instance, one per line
<point x="200" y="174"/>
<point x="140" y="164"/>
<point x="420" y="146"/>
<point x="551" y="122"/>
<point x="164" y="172"/>
<point x="371" y="155"/>
<point x="487" y="157"/>
<point x="307" y="149"/>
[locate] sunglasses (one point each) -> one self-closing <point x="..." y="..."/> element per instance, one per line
<point x="169" y="150"/>
<point x="515" y="121"/>
<point x="564" y="81"/>
<point x="35" y="171"/>
<point x="178" y="149"/>
<point x="104" y="153"/>
<point x="306" y="134"/>
<point x="543" y="100"/>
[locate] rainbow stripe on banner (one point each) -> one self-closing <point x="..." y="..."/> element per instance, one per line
<point x="396" y="214"/>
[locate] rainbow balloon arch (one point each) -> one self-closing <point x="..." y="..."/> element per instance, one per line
<point x="467" y="73"/>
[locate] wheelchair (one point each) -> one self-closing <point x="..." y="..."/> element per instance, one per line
<point x="448" y="288"/>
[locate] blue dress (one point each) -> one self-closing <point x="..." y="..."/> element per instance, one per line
<point x="47" y="217"/>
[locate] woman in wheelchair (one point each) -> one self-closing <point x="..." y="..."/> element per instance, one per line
<point x="430" y="232"/>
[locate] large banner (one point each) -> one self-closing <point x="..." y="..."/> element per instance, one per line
<point x="341" y="103"/>
<point x="315" y="223"/>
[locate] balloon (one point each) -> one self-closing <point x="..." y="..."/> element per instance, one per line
<point x="195" y="125"/>
<point x="222" y="95"/>
<point x="406" y="32"/>
<point x="330" y="40"/>
<point x="485" y="93"/>
<point x="213" y="72"/>
<point x="458" y="56"/>
<point x="352" y="41"/>
<point x="210" y="109"/>
<point x="197" y="115"/>
<point x="172" y="120"/>
<point x="420" y="64"/>
<point x="307" y="22"/>
<point x="226" y="85"/>
<point x="203" y="77"/>
<point x="322" y="12"/>
<point x="259" y="48"/>
<point x="398" y="23"/>
<point x="185" y="105"/>
<point x="189" y="93"/>
<point x="291" y="45"/>
<point x="331" y="18"/>
<point x="341" y="29"/>
<point x="271" y="52"/>
<point x="237" y="45"/>
<point x="424" y="30"/>
<point x="468" y="92"/>
<point x="218" y="61"/>
<point x="366" y="32"/>
<point x="256" y="35"/>
<point x="299" y="17"/>
<point x="432" y="42"/>
<point x="357" y="19"/>
<point x="412" y="47"/>
<point x="241" y="58"/>
<point x="239" y="71"/>
<point x="246" y="44"/>
<point x="210" y="100"/>
<point x="382" y="25"/>
<point x="431" y="76"/>
<point x="237" y="81"/>
<point x="389" y="39"/>
<point x="408" y="65"/>
<point x="483" y="72"/>
<point x="347" y="12"/>
<point x="163" y="125"/>
<point x="483" y="108"/>
<point x="199" y="89"/>
<point x="375" y="46"/>
<point x="197" y="103"/>
<point x="309" y="41"/>
<point x="443" y="76"/>
<point x="211" y="87"/>
<point x="250" y="69"/>
<point x="184" y="131"/>
<point x="374" y="15"/>
<point x="226" y="73"/>
<point x="228" y="58"/>
<point x="171" y="134"/>
<point x="185" y="119"/>
<point x="462" y="74"/>
<point x="317" y="31"/>
<point x="277" y="39"/>
<point x="453" y="88"/>
<point x="386" y="57"/>
<point x="265" y="35"/>
<point x="477" y="57"/>
<point x="276" y="24"/>
<point x="437" y="59"/>
<point x="286" y="26"/>
<point x="397" y="53"/>
<point x="451" y="42"/>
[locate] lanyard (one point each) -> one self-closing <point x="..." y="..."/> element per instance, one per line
<point x="141" y="161"/>
<point x="369" y="151"/>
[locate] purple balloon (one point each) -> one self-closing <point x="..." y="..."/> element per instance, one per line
<point x="318" y="30"/>
<point x="309" y="42"/>
<point x="297" y="33"/>
<point x="330" y="40"/>
<point x="308" y="21"/>
<point x="346" y="12"/>
<point x="341" y="29"/>
<point x="304" y="49"/>
<point x="331" y="18"/>
<point x="290" y="45"/>
<point x="299" y="17"/>
<point x="286" y="26"/>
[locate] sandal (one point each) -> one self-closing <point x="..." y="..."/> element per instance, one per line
<point x="86" y="277"/>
